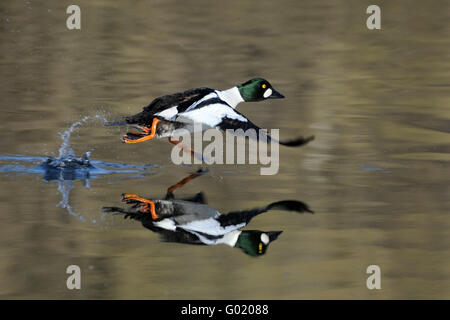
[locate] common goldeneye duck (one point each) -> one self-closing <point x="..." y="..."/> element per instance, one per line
<point x="192" y="221"/>
<point x="209" y="107"/>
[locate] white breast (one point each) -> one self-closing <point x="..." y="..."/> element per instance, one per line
<point x="231" y="96"/>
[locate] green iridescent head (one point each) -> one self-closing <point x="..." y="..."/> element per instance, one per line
<point x="258" y="89"/>
<point x="255" y="242"/>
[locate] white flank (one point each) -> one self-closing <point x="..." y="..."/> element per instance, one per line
<point x="167" y="224"/>
<point x="168" y="114"/>
<point x="210" y="226"/>
<point x="212" y="115"/>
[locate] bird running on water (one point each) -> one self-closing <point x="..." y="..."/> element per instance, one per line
<point x="209" y="107"/>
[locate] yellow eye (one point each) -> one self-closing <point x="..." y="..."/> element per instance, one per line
<point x="264" y="86"/>
<point x="260" y="247"/>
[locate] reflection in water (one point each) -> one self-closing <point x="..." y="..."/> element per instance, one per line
<point x="377" y="102"/>
<point x="191" y="221"/>
<point x="67" y="168"/>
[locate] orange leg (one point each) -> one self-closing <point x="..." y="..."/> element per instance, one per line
<point x="176" y="142"/>
<point x="148" y="205"/>
<point x="183" y="147"/>
<point x="183" y="182"/>
<point x="148" y="133"/>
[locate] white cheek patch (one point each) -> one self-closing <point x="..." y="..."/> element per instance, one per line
<point x="267" y="93"/>
<point x="264" y="236"/>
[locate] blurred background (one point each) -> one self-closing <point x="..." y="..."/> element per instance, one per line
<point x="377" y="174"/>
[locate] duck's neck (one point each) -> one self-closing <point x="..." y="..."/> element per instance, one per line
<point x="231" y="238"/>
<point x="231" y="96"/>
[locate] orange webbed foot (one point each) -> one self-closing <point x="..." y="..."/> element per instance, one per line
<point x="148" y="133"/>
<point x="145" y="204"/>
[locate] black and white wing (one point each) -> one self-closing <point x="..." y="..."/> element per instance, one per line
<point x="179" y="101"/>
<point x="238" y="121"/>
<point x="244" y="216"/>
<point x="210" y="113"/>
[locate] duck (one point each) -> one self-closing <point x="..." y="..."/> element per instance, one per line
<point x="209" y="107"/>
<point x="192" y="221"/>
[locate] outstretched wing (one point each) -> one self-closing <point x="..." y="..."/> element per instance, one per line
<point x="241" y="122"/>
<point x="181" y="100"/>
<point x="238" y="217"/>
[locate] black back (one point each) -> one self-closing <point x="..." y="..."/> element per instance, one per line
<point x="181" y="99"/>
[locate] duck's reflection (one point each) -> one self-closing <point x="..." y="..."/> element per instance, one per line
<point x="191" y="221"/>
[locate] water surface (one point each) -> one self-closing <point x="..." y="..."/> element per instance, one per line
<point x="376" y="176"/>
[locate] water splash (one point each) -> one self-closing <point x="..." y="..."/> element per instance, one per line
<point x="66" y="161"/>
<point x="65" y="150"/>
<point x="66" y="167"/>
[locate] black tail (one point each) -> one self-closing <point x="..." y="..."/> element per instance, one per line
<point x="132" y="213"/>
<point x="300" y="141"/>
<point x="290" y="205"/>
<point x="242" y="129"/>
<point x="238" y="217"/>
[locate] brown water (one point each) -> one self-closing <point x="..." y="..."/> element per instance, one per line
<point x="377" y="175"/>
